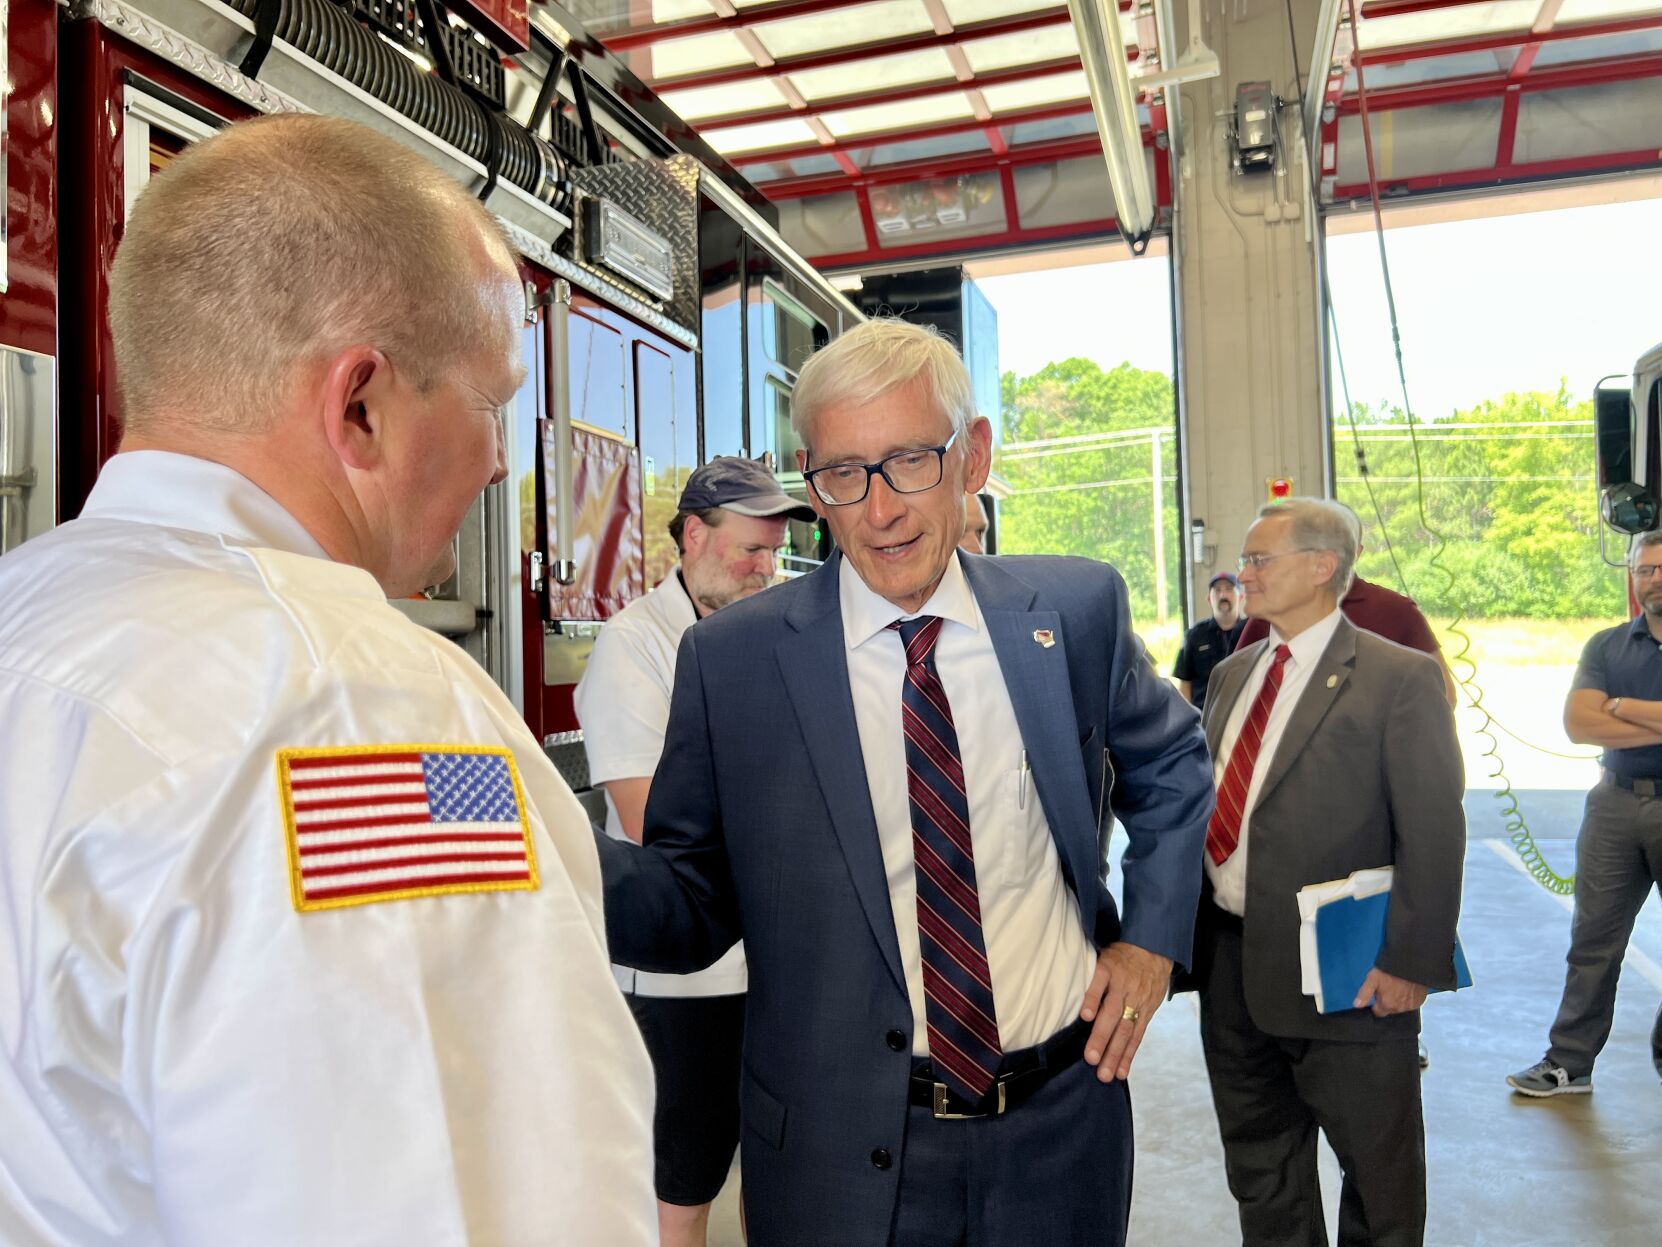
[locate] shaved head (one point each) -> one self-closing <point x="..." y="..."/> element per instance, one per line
<point x="271" y="246"/>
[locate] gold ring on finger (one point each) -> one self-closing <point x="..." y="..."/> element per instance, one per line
<point x="1130" y="1014"/>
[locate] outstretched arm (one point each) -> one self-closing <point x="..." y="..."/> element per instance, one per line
<point x="670" y="905"/>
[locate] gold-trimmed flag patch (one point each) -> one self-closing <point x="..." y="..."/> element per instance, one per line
<point x="389" y="822"/>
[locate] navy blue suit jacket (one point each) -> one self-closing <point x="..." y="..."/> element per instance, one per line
<point x="760" y="826"/>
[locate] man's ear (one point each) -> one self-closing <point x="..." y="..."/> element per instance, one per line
<point x="978" y="462"/>
<point x="693" y="536"/>
<point x="1327" y="567"/>
<point x="353" y="404"/>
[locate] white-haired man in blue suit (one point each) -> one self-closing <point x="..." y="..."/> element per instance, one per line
<point x="892" y="777"/>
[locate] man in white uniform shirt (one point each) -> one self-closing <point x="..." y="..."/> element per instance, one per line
<point x="1334" y="751"/>
<point x="728" y="525"/>
<point x="300" y="932"/>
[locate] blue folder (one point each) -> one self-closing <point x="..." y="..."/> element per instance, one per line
<point x="1349" y="934"/>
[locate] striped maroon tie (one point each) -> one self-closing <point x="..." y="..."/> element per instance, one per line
<point x="964" y="1046"/>
<point x="1223" y="833"/>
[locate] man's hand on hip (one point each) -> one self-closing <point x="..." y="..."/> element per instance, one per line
<point x="1388" y="994"/>
<point x="1128" y="986"/>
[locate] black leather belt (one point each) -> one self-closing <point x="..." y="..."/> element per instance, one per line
<point x="1021" y="1074"/>
<point x="1638" y="787"/>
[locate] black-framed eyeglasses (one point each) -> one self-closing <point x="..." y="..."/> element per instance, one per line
<point x="908" y="472"/>
<point x="1257" y="561"/>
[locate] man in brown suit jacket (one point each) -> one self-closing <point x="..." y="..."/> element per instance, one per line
<point x="1334" y="751"/>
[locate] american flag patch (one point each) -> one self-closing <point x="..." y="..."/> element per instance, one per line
<point x="386" y="822"/>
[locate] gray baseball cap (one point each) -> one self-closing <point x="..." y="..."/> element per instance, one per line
<point x="743" y="486"/>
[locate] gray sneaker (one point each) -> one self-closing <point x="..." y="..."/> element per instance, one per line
<point x="1546" y="1078"/>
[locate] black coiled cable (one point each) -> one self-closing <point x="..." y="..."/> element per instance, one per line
<point x="326" y="32"/>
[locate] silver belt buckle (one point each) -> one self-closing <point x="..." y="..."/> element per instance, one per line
<point x="939" y="1106"/>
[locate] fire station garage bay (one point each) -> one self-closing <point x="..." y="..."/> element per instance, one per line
<point x="1200" y="256"/>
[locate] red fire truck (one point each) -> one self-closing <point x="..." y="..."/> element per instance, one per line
<point x="666" y="315"/>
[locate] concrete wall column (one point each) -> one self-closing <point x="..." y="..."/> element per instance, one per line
<point x="1251" y="355"/>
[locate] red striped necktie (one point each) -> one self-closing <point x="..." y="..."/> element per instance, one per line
<point x="964" y="1046"/>
<point x="1223" y="833"/>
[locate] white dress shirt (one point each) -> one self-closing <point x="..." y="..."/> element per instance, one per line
<point x="622" y="702"/>
<point x="1229" y="880"/>
<point x="185" y="1057"/>
<point x="1037" y="950"/>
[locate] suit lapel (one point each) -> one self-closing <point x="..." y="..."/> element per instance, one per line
<point x="1041" y="694"/>
<point x="813" y="662"/>
<point x="1332" y="669"/>
<point x="1218" y="707"/>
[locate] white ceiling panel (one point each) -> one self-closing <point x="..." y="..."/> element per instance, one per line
<point x="963" y="12"/>
<point x="1048" y="43"/>
<point x="724" y="101"/>
<point x="906" y="69"/>
<point x="843" y="28"/>
<point x="1057" y="89"/>
<point x="718" y="50"/>
<point x="1457" y="21"/>
<point x="678" y="10"/>
<point x="761" y="136"/>
<point x="907" y="113"/>
<point x="1575" y="11"/>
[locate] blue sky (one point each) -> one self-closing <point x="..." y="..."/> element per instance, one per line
<point x="1486" y="306"/>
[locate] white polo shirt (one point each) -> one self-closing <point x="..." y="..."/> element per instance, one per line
<point x="623" y="705"/>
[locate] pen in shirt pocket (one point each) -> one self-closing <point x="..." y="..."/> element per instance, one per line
<point x="1021" y="783"/>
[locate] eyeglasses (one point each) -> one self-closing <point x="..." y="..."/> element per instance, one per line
<point x="1257" y="561"/>
<point x="1644" y="571"/>
<point x="909" y="472"/>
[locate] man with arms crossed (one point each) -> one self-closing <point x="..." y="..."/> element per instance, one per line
<point x="300" y="931"/>
<point x="944" y="999"/>
<point x="1616" y="703"/>
<point x="728" y="524"/>
<point x="1334" y="752"/>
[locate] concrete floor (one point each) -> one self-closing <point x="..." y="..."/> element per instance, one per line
<point x="1504" y="1171"/>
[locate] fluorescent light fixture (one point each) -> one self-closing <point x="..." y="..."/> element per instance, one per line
<point x="1102" y="52"/>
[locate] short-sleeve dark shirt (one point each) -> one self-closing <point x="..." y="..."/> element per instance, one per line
<point x="1625" y="661"/>
<point x="1372" y="608"/>
<point x="1204" y="646"/>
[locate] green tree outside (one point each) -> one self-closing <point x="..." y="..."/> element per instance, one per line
<point x="1509" y="528"/>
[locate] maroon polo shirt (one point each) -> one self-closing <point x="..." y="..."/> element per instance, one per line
<point x="1373" y="608"/>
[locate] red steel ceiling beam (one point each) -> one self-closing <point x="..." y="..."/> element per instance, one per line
<point x="1545" y="18"/>
<point x="1395" y="8"/>
<point x="1513" y="39"/>
<point x="941" y="167"/>
<point x="863" y="99"/>
<point x="862" y="142"/>
<point x="1535" y="171"/>
<point x="1488" y="86"/>
<point x="778" y="10"/>
<point x="966" y="33"/>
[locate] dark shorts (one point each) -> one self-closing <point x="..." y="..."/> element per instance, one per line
<point x="695" y="1043"/>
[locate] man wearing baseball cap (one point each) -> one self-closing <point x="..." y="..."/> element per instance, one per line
<point x="728" y="524"/>
<point x="1211" y="640"/>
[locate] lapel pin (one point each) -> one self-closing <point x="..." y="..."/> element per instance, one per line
<point x="1332" y="681"/>
<point x="1045" y="637"/>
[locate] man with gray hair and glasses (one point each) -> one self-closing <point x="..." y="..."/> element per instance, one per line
<point x="945" y="1001"/>
<point x="1615" y="702"/>
<point x="1334" y="751"/>
<point x="300" y="931"/>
